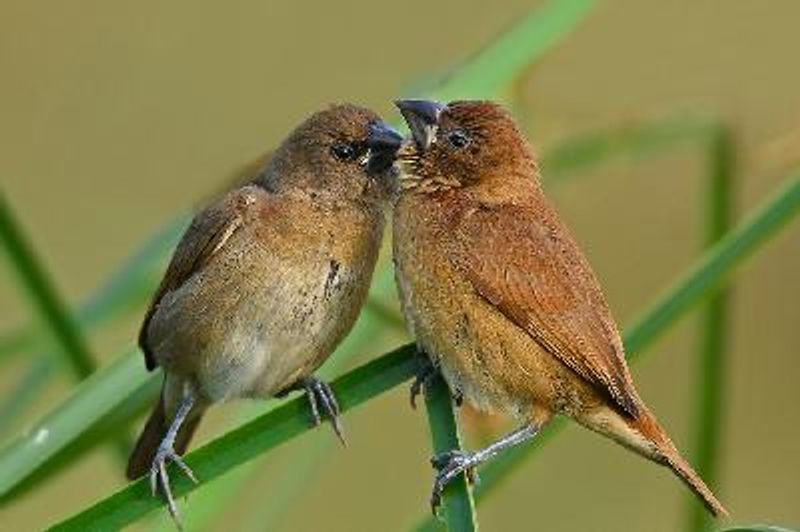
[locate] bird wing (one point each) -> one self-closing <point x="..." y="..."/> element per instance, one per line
<point x="208" y="233"/>
<point x="523" y="261"/>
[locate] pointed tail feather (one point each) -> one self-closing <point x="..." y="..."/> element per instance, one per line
<point x="151" y="437"/>
<point x="668" y="454"/>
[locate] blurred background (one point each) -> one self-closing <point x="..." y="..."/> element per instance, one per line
<point x="119" y="118"/>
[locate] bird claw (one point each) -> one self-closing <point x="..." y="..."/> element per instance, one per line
<point x="449" y="465"/>
<point x="159" y="475"/>
<point x="320" y="393"/>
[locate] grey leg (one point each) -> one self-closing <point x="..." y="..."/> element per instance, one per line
<point x="166" y="453"/>
<point x="320" y="393"/>
<point x="452" y="463"/>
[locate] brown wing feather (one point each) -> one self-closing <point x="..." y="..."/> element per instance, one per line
<point x="523" y="260"/>
<point x="206" y="235"/>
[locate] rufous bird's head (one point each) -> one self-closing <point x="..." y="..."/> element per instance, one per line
<point x="459" y="144"/>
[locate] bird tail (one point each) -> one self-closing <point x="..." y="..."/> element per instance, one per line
<point x="645" y="436"/>
<point x="153" y="434"/>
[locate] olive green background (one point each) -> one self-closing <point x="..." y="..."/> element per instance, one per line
<point x="115" y="116"/>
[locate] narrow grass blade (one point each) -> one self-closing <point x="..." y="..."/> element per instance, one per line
<point x="42" y="296"/>
<point x="247" y="442"/>
<point x="709" y="273"/>
<point x="710" y="373"/>
<point x="458" y="507"/>
<point x="492" y="70"/>
<point x="99" y="395"/>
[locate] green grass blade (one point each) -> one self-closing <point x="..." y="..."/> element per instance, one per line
<point x="95" y="398"/>
<point x="458" y="507"/>
<point x="247" y="442"/>
<point x="26" y="391"/>
<point x="492" y="70"/>
<point x="709" y="272"/>
<point x="710" y="381"/>
<point x="42" y="296"/>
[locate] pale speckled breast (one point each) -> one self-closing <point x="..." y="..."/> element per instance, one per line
<point x="482" y="354"/>
<point x="268" y="311"/>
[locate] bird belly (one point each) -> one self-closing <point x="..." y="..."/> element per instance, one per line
<point x="482" y="355"/>
<point x="256" y="338"/>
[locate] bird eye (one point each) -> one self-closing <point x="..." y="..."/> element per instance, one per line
<point x="343" y="152"/>
<point x="458" y="139"/>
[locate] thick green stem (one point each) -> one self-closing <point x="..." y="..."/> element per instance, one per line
<point x="457" y="504"/>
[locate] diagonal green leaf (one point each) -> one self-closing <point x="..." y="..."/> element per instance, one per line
<point x="98" y="396"/>
<point x="246" y="442"/>
<point x="496" y="67"/>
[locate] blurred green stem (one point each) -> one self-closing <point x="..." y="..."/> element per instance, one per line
<point x="709" y="387"/>
<point x="42" y="296"/>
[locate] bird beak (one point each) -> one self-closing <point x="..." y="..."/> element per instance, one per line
<point x="383" y="142"/>
<point x="422" y="117"/>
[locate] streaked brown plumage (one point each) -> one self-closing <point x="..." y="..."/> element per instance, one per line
<point x="267" y="281"/>
<point x="500" y="297"/>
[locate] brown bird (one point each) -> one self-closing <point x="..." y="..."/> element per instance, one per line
<point x="267" y="281"/>
<point x="499" y="296"/>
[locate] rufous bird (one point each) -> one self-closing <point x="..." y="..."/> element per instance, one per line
<point x="499" y="296"/>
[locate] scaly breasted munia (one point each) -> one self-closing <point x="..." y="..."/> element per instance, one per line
<point x="499" y="296"/>
<point x="267" y="281"/>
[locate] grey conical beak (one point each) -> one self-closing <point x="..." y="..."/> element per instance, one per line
<point x="383" y="142"/>
<point x="422" y="117"/>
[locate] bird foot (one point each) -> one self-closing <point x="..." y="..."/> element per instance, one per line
<point x="160" y="477"/>
<point x="320" y="394"/>
<point x="448" y="466"/>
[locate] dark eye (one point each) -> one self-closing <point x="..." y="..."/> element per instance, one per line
<point x="343" y="152"/>
<point x="458" y="139"/>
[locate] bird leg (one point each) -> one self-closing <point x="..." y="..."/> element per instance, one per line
<point x="425" y="374"/>
<point x="166" y="453"/>
<point x="450" y="464"/>
<point x="320" y="393"/>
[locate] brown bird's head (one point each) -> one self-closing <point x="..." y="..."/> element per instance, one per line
<point x="460" y="144"/>
<point x="343" y="153"/>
